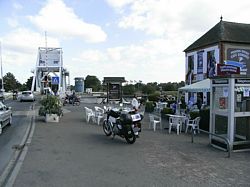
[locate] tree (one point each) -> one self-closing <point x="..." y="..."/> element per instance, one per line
<point x="92" y="82"/>
<point x="28" y="83"/>
<point x="128" y="89"/>
<point x="10" y="82"/>
<point x="148" y="89"/>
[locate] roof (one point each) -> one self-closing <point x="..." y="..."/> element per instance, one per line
<point x="113" y="79"/>
<point x="223" y="32"/>
<point x="201" y="86"/>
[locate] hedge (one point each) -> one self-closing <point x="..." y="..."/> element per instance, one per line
<point x="149" y="107"/>
<point x="166" y="111"/>
<point x="205" y="118"/>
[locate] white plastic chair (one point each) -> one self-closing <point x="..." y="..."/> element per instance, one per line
<point x="99" y="114"/>
<point x="89" y="114"/>
<point x="194" y="124"/>
<point x="154" y="122"/>
<point x="175" y="122"/>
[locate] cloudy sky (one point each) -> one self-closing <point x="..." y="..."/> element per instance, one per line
<point x="137" y="39"/>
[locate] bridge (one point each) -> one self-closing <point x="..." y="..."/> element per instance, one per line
<point x="49" y="72"/>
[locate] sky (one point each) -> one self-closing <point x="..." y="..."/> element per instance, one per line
<point x="141" y="40"/>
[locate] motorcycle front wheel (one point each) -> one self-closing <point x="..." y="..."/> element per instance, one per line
<point x="130" y="136"/>
<point x="107" y="128"/>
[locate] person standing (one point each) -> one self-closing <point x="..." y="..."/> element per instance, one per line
<point x="135" y="104"/>
<point x="199" y="101"/>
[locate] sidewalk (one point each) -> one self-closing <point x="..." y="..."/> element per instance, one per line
<point x="75" y="153"/>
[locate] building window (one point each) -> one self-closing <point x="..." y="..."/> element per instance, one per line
<point x="190" y="70"/>
<point x="211" y="64"/>
<point x="200" y="62"/>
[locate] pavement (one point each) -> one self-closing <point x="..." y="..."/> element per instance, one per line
<point x="76" y="153"/>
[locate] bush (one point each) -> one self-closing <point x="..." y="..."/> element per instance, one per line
<point x="154" y="97"/>
<point x="194" y="114"/>
<point x="50" y="105"/>
<point x="166" y="111"/>
<point x="204" y="114"/>
<point x="149" y="107"/>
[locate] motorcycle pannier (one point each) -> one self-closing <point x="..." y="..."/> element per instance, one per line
<point x="125" y="119"/>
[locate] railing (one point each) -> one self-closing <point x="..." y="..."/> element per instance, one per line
<point x="223" y="138"/>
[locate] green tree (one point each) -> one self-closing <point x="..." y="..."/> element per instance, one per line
<point x="28" y="83"/>
<point x="10" y="82"/>
<point x="148" y="88"/>
<point x="167" y="86"/>
<point x="128" y="89"/>
<point x="92" y="82"/>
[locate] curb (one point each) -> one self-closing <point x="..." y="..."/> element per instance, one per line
<point x="10" y="172"/>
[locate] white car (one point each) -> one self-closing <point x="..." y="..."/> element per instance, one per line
<point x="5" y="116"/>
<point x="26" y="96"/>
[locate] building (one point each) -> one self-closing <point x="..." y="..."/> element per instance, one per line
<point x="114" y="88"/>
<point x="225" y="43"/>
<point x="79" y="84"/>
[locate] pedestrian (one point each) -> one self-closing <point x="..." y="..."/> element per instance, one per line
<point x="135" y="104"/>
<point x="14" y="94"/>
<point x="199" y="101"/>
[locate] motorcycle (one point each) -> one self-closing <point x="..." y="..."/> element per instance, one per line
<point x="71" y="99"/>
<point x="76" y="101"/>
<point x="123" y="124"/>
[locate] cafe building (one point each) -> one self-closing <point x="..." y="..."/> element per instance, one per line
<point x="223" y="56"/>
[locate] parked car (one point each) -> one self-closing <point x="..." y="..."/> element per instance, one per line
<point x="5" y="116"/>
<point x="26" y="96"/>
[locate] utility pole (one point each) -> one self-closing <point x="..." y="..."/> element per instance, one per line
<point x="1" y="66"/>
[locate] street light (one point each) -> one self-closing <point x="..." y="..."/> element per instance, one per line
<point x="1" y="66"/>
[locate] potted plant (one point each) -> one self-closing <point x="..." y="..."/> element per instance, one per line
<point x="51" y="108"/>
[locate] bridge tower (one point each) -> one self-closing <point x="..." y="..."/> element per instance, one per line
<point x="49" y="72"/>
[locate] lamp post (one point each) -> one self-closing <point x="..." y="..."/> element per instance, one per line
<point x="1" y="66"/>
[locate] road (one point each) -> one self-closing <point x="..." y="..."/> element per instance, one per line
<point x="13" y="135"/>
<point x="76" y="153"/>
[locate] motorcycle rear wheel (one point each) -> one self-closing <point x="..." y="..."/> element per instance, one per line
<point x="130" y="137"/>
<point x="106" y="128"/>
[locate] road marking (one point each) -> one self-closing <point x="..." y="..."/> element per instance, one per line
<point x="25" y="113"/>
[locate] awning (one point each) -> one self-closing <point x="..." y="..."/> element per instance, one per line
<point x="201" y="86"/>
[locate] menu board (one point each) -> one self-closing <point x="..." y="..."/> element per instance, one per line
<point x="114" y="91"/>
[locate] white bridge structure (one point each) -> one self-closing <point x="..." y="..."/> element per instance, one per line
<point x="49" y="73"/>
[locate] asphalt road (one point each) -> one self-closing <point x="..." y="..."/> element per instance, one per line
<point x="13" y="135"/>
<point x="75" y="153"/>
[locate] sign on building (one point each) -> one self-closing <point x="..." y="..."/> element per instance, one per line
<point x="242" y="56"/>
<point x="224" y="70"/>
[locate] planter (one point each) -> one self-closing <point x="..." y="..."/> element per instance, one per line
<point x="52" y="118"/>
<point x="51" y="108"/>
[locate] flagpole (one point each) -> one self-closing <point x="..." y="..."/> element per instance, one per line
<point x="1" y="66"/>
